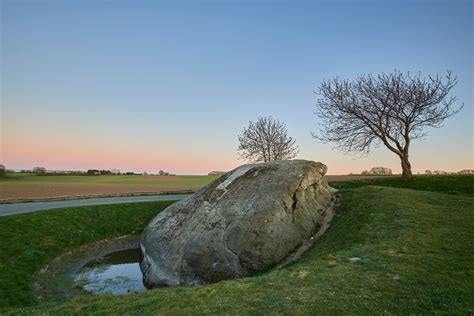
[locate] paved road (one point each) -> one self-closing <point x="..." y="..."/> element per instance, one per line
<point x="17" y="208"/>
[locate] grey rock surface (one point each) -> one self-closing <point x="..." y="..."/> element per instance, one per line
<point x="247" y="220"/>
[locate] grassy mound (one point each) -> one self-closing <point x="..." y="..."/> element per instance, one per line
<point x="388" y="250"/>
<point x="449" y="184"/>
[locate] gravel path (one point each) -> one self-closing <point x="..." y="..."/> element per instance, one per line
<point x="17" y="208"/>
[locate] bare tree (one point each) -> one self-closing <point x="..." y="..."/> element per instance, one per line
<point x="3" y="171"/>
<point x="266" y="140"/>
<point x="39" y="171"/>
<point x="392" y="109"/>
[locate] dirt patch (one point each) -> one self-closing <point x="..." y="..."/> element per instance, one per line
<point x="308" y="243"/>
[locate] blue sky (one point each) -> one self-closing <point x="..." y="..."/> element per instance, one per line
<point x="150" y="85"/>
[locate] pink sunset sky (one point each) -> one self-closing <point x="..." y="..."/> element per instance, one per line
<point x="155" y="86"/>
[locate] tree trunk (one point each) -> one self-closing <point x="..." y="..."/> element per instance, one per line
<point x="406" y="169"/>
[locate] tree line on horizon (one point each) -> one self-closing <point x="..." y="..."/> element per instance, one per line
<point x="41" y="171"/>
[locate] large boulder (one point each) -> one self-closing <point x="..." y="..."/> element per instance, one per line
<point x="248" y="219"/>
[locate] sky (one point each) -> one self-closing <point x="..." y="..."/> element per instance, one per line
<point x="151" y="85"/>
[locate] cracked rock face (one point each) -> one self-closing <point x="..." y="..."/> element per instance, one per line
<point x="247" y="220"/>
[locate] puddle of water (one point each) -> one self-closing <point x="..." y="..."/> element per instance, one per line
<point x="116" y="273"/>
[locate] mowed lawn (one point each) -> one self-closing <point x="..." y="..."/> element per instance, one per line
<point x="37" y="187"/>
<point x="388" y="250"/>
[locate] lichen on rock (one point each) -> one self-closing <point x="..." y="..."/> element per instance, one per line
<point x="247" y="220"/>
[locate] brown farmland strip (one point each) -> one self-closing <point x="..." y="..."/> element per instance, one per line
<point x="24" y="190"/>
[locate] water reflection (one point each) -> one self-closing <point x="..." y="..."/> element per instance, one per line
<point x="116" y="273"/>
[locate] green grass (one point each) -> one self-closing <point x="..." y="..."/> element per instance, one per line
<point x="161" y="181"/>
<point x="416" y="250"/>
<point x="30" y="241"/>
<point x="452" y="184"/>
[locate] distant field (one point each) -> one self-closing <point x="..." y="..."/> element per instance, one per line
<point x="25" y="187"/>
<point x="38" y="187"/>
